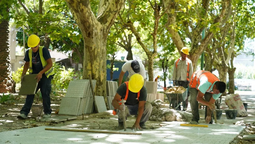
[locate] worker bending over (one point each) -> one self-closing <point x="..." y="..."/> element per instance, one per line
<point x="205" y="88"/>
<point x="135" y="95"/>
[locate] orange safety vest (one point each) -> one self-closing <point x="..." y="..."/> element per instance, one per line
<point x="126" y="96"/>
<point x="176" y="64"/>
<point x="195" y="78"/>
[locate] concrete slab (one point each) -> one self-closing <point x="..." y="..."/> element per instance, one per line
<point x="28" y="85"/>
<point x="88" y="104"/>
<point x="151" y="87"/>
<point x="171" y="133"/>
<point x="151" y="97"/>
<point x="100" y="104"/>
<point x="111" y="87"/>
<point x="72" y="105"/>
<point x="109" y="100"/>
<point x="77" y="88"/>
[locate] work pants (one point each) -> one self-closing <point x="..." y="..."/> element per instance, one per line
<point x="194" y="103"/>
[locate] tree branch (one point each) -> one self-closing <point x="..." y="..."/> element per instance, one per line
<point x="25" y="8"/>
<point x="138" y="38"/>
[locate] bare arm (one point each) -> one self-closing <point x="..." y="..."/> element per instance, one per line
<point x="25" y="68"/>
<point x="200" y="99"/>
<point x="121" y="77"/>
<point x="140" y="112"/>
<point x="115" y="101"/>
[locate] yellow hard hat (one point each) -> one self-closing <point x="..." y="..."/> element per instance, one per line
<point x="185" y="50"/>
<point x="135" y="83"/>
<point x="33" y="40"/>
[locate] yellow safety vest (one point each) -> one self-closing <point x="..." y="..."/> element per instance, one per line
<point x="43" y="61"/>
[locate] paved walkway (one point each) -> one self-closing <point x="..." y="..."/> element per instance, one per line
<point x="221" y="133"/>
<point x="172" y="133"/>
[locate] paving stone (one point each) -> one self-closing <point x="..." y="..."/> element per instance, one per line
<point x="28" y="85"/>
<point x="72" y="105"/>
<point x="151" y="87"/>
<point x="100" y="104"/>
<point x="172" y="132"/>
<point x="109" y="100"/>
<point x="248" y="137"/>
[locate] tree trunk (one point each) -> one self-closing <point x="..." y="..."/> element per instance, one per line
<point x="150" y="68"/>
<point x="94" y="31"/>
<point x="129" y="54"/>
<point x="165" y="68"/>
<point x="6" y="83"/>
<point x="231" y="82"/>
<point x="112" y="64"/>
<point x="222" y="74"/>
<point x="94" y="64"/>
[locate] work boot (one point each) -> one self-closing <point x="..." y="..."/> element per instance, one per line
<point x="121" y="125"/>
<point x="21" y="116"/>
<point x="46" y="116"/>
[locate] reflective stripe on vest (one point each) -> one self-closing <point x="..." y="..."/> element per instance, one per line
<point x="43" y="61"/>
<point x="195" y="79"/>
<point x="176" y="65"/>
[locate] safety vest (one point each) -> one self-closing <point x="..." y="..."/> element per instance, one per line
<point x="176" y="65"/>
<point x="126" y="96"/>
<point x="43" y="61"/>
<point x="195" y="79"/>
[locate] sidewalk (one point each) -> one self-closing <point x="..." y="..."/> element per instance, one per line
<point x="171" y="132"/>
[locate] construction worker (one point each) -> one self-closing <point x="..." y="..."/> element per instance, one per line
<point x="135" y="95"/>
<point x="38" y="61"/>
<point x="132" y="67"/>
<point x="182" y="72"/>
<point x="205" y="88"/>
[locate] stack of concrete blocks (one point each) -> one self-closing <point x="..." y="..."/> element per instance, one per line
<point x="111" y="87"/>
<point x="78" y="99"/>
<point x="151" y="87"/>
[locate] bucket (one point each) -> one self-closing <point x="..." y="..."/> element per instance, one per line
<point x="36" y="110"/>
<point x="218" y="114"/>
<point x="245" y="106"/>
<point x="231" y="113"/>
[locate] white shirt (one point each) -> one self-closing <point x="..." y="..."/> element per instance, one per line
<point x="180" y="73"/>
<point x="127" y="67"/>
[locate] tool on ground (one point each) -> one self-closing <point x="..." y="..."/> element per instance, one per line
<point x="92" y="131"/>
<point x="194" y="125"/>
<point x="124" y="114"/>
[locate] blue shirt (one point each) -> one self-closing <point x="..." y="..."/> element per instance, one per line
<point x="205" y="85"/>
